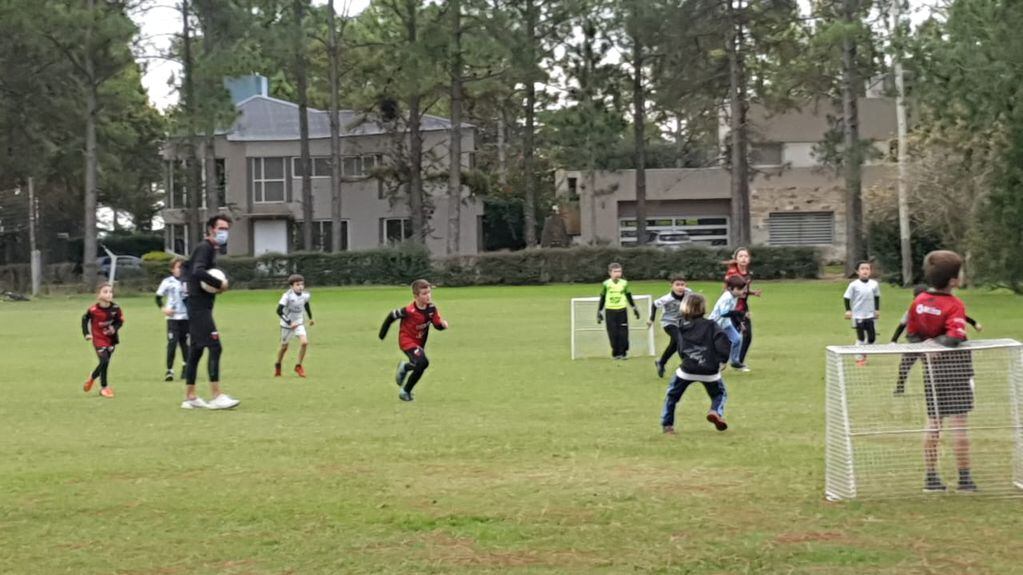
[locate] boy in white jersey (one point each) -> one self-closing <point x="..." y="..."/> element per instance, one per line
<point x="173" y="289"/>
<point x="292" y="309"/>
<point x="863" y="307"/>
<point x="672" y="305"/>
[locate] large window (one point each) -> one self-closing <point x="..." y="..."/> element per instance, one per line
<point x="321" y="167"/>
<point x="710" y="230"/>
<point x="766" y="154"/>
<point x="395" y="230"/>
<point x="177" y="176"/>
<point x="801" y="228"/>
<point x="351" y="166"/>
<point x="267" y="180"/>
<point x="322" y="239"/>
<point x="177" y="239"/>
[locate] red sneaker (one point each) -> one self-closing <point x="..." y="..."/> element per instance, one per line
<point x="87" y="386"/>
<point x="299" y="371"/>
<point x="277" y="370"/>
<point x="717" y="420"/>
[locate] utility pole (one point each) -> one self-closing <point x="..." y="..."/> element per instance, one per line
<point x="36" y="257"/>
<point x="900" y="119"/>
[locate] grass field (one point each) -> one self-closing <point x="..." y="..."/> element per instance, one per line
<point x="512" y="459"/>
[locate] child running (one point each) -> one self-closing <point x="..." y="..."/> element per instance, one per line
<point x="672" y="304"/>
<point x="292" y="309"/>
<point x="614" y="296"/>
<point x="416" y="319"/>
<point x="723" y="314"/>
<point x="177" y="317"/>
<point x="863" y="307"/>
<point x="704" y="349"/>
<point x="101" y="325"/>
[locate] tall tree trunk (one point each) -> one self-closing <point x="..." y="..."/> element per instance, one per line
<point x="335" y="130"/>
<point x="905" y="244"/>
<point x="417" y="200"/>
<point x="502" y="158"/>
<point x="302" y="81"/>
<point x="91" y="167"/>
<point x="209" y="162"/>
<point x="455" y="144"/>
<point x="853" y="157"/>
<point x="529" y="185"/>
<point x="639" y="129"/>
<point x="193" y="167"/>
<point x="739" y="130"/>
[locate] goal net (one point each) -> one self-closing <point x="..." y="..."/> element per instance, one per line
<point x="589" y="339"/>
<point x="876" y="429"/>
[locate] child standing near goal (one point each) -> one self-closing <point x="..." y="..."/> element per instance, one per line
<point x="723" y="313"/>
<point x="704" y="349"/>
<point x="416" y="319"/>
<point x="939" y="316"/>
<point x="672" y="305"/>
<point x="173" y="289"/>
<point x="863" y="307"/>
<point x="292" y="309"/>
<point x="614" y="297"/>
<point x="101" y="325"/>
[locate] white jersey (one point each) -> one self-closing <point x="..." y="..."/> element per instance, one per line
<point x="724" y="306"/>
<point x="861" y="296"/>
<point x="672" y="307"/>
<point x="294" y="307"/>
<point x="173" y="289"/>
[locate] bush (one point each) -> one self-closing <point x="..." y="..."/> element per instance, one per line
<point x="886" y="249"/>
<point x="157" y="257"/>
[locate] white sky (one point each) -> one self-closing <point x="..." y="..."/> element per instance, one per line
<point x="161" y="21"/>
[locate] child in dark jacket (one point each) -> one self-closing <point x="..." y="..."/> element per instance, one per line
<point x="704" y="349"/>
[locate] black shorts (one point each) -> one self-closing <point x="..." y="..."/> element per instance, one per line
<point x="948" y="383"/>
<point x="202" y="331"/>
<point x="177" y="329"/>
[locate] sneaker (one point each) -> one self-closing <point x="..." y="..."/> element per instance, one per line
<point x="399" y="375"/>
<point x="277" y="370"/>
<point x="169" y="376"/>
<point x="107" y="392"/>
<point x="968" y="486"/>
<point x="405" y="395"/>
<point x="740" y="367"/>
<point x="934" y="485"/>
<point x="668" y="430"/>
<point x="87" y="386"/>
<point x="660" y="369"/>
<point x="223" y="401"/>
<point x="300" y="371"/>
<point x="194" y="403"/>
<point x="717" y="420"/>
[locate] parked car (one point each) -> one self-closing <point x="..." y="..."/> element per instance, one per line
<point x="123" y="263"/>
<point x="672" y="240"/>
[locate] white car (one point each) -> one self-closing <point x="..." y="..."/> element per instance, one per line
<point x="669" y="240"/>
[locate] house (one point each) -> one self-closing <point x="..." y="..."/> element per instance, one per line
<point x="257" y="162"/>
<point x="794" y="200"/>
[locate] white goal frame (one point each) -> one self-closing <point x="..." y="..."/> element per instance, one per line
<point x="636" y="327"/>
<point x="874" y="435"/>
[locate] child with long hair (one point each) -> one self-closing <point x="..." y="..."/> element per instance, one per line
<point x="101" y="325"/>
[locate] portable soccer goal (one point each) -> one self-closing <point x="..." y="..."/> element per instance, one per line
<point x="876" y="429"/>
<point x="589" y="339"/>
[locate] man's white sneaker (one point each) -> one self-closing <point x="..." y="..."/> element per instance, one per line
<point x="223" y="401"/>
<point x="196" y="403"/>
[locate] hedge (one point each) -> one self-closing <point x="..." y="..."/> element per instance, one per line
<point x="399" y="266"/>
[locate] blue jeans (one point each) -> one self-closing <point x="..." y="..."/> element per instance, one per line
<point x="715" y="389"/>
<point x="736" y="339"/>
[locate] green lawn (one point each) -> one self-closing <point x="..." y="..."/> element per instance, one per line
<point x="512" y="459"/>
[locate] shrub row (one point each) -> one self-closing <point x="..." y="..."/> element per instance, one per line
<point x="397" y="266"/>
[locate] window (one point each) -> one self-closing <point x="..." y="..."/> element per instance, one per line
<point x="801" y="228"/>
<point x="177" y="178"/>
<point x="321" y="235"/>
<point x="177" y="239"/>
<point x="766" y="154"/>
<point x="321" y="167"/>
<point x="267" y="180"/>
<point x="221" y="183"/>
<point x="360" y="166"/>
<point x="395" y="230"/>
<point x="707" y="230"/>
<point x="573" y="189"/>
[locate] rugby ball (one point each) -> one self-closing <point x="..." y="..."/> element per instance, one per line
<point x="217" y="274"/>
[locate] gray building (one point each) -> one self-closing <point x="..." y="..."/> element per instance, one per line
<point x="793" y="199"/>
<point x="261" y="185"/>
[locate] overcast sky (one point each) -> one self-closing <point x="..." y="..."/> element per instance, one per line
<point x="162" y="20"/>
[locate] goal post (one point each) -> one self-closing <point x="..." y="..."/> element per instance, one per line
<point x="876" y="428"/>
<point x="589" y="339"/>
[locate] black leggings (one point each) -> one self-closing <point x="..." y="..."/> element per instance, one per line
<point x="865" y="331"/>
<point x="212" y="365"/>
<point x="417" y="363"/>
<point x="617" y="324"/>
<point x="672" y="349"/>
<point x="177" y="336"/>
<point x="744" y="325"/>
<point x="104" y="354"/>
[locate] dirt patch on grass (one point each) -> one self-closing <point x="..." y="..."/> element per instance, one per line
<point x="809" y="537"/>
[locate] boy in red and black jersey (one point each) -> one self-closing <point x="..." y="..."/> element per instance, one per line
<point x="101" y="324"/>
<point x="416" y="319"/>
<point x="948" y="377"/>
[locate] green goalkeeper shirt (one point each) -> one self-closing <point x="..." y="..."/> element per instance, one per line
<point x="616" y="295"/>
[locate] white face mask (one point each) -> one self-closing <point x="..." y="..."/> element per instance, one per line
<point x="221" y="237"/>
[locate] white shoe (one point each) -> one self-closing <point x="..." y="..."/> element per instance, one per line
<point x="223" y="401"/>
<point x="196" y="403"/>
